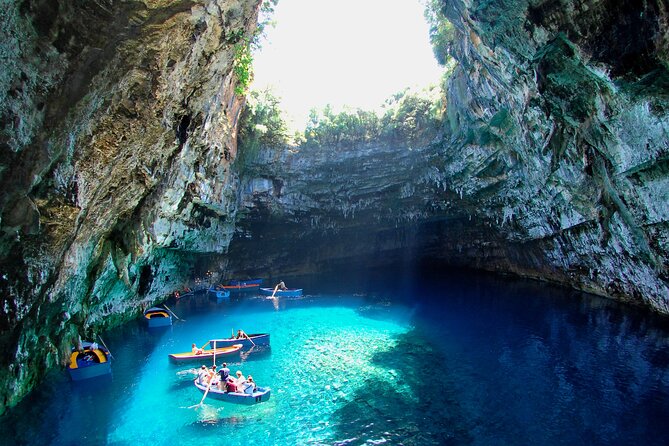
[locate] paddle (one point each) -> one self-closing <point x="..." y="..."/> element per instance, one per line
<point x="247" y="337"/>
<point x="211" y="380"/>
<point x="275" y="288"/>
<point x="178" y="318"/>
<point x="103" y="343"/>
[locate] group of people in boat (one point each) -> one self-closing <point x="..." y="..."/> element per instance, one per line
<point x="222" y="379"/>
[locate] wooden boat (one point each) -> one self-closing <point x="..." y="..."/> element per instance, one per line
<point x="256" y="281"/>
<point x="207" y="353"/>
<point x="259" y="339"/>
<point x="243" y="285"/>
<point x="219" y="292"/>
<point x="290" y="292"/>
<point x="157" y="317"/>
<point x="90" y="362"/>
<point x="260" y="395"/>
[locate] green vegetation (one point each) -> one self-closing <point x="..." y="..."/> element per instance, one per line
<point x="409" y="117"/>
<point x="261" y="125"/>
<point x="442" y="33"/>
<point x="243" y="60"/>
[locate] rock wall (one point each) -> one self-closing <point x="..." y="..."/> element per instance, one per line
<point x="118" y="130"/>
<point x="553" y="163"/>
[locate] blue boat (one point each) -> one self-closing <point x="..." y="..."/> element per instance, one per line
<point x="259" y="339"/>
<point x="157" y="317"/>
<point x="219" y="292"/>
<point x="260" y="395"/>
<point x="290" y="292"/>
<point x="90" y="362"/>
<point x="247" y="282"/>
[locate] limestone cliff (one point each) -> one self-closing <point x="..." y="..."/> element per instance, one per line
<point x="553" y="163"/>
<point x="118" y="130"/>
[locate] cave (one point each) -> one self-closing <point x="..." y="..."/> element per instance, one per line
<point x="141" y="168"/>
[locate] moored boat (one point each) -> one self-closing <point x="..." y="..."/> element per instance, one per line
<point x="259" y="339"/>
<point x="219" y="292"/>
<point x="260" y="395"/>
<point x="157" y="317"/>
<point x="90" y="362"/>
<point x="243" y="285"/>
<point x="290" y="292"/>
<point x="205" y="353"/>
<point x="256" y="281"/>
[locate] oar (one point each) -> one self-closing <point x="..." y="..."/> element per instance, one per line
<point x="247" y="337"/>
<point x="103" y="343"/>
<point x="211" y="379"/>
<point x="178" y="318"/>
<point x="275" y="288"/>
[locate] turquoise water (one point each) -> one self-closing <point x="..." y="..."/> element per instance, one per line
<point x="449" y="360"/>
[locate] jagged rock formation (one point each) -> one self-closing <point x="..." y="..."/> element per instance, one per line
<point x="553" y="164"/>
<point x="118" y="130"/>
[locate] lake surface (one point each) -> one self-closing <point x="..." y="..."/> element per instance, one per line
<point x="457" y="358"/>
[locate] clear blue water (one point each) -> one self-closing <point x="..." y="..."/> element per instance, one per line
<point x="457" y="359"/>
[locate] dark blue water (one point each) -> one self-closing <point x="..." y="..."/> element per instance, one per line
<point x="454" y="358"/>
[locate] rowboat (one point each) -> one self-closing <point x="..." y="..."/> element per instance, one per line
<point x="207" y="352"/>
<point x="243" y="285"/>
<point x="290" y="292"/>
<point x="157" y="317"/>
<point x="90" y="362"/>
<point x="256" y="281"/>
<point x="260" y="395"/>
<point x="257" y="338"/>
<point x="219" y="292"/>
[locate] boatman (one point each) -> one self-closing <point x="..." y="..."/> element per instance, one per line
<point x="281" y="286"/>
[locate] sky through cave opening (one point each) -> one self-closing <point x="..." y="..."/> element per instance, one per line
<point x="346" y="54"/>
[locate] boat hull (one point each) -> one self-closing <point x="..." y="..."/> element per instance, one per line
<point x="157" y="317"/>
<point x="206" y="354"/>
<point x="291" y="292"/>
<point x="261" y="395"/>
<point x="261" y="339"/>
<point x="89" y="363"/>
<point x="257" y="282"/>
<point x="242" y="287"/>
<point x="92" y="371"/>
<point x="219" y="293"/>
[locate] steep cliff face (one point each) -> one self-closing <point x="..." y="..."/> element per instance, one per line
<point x="553" y="163"/>
<point x="118" y="130"/>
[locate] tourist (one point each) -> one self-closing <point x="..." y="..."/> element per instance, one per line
<point x="249" y="386"/>
<point x="239" y="382"/>
<point x="94" y="346"/>
<point x="241" y="334"/>
<point x="281" y="286"/>
<point x="195" y="350"/>
<point x="202" y="375"/>
<point x="224" y="375"/>
<point x="214" y="377"/>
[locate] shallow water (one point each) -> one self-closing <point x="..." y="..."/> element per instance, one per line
<point x="457" y="359"/>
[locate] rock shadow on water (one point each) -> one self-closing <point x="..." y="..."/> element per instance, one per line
<point x="416" y="405"/>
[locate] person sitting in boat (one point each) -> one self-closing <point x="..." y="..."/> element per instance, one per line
<point x="249" y="386"/>
<point x="239" y="382"/>
<point x="203" y="375"/>
<point x="94" y="346"/>
<point x="196" y="350"/>
<point x="241" y="334"/>
<point x="281" y="286"/>
<point x="214" y="376"/>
